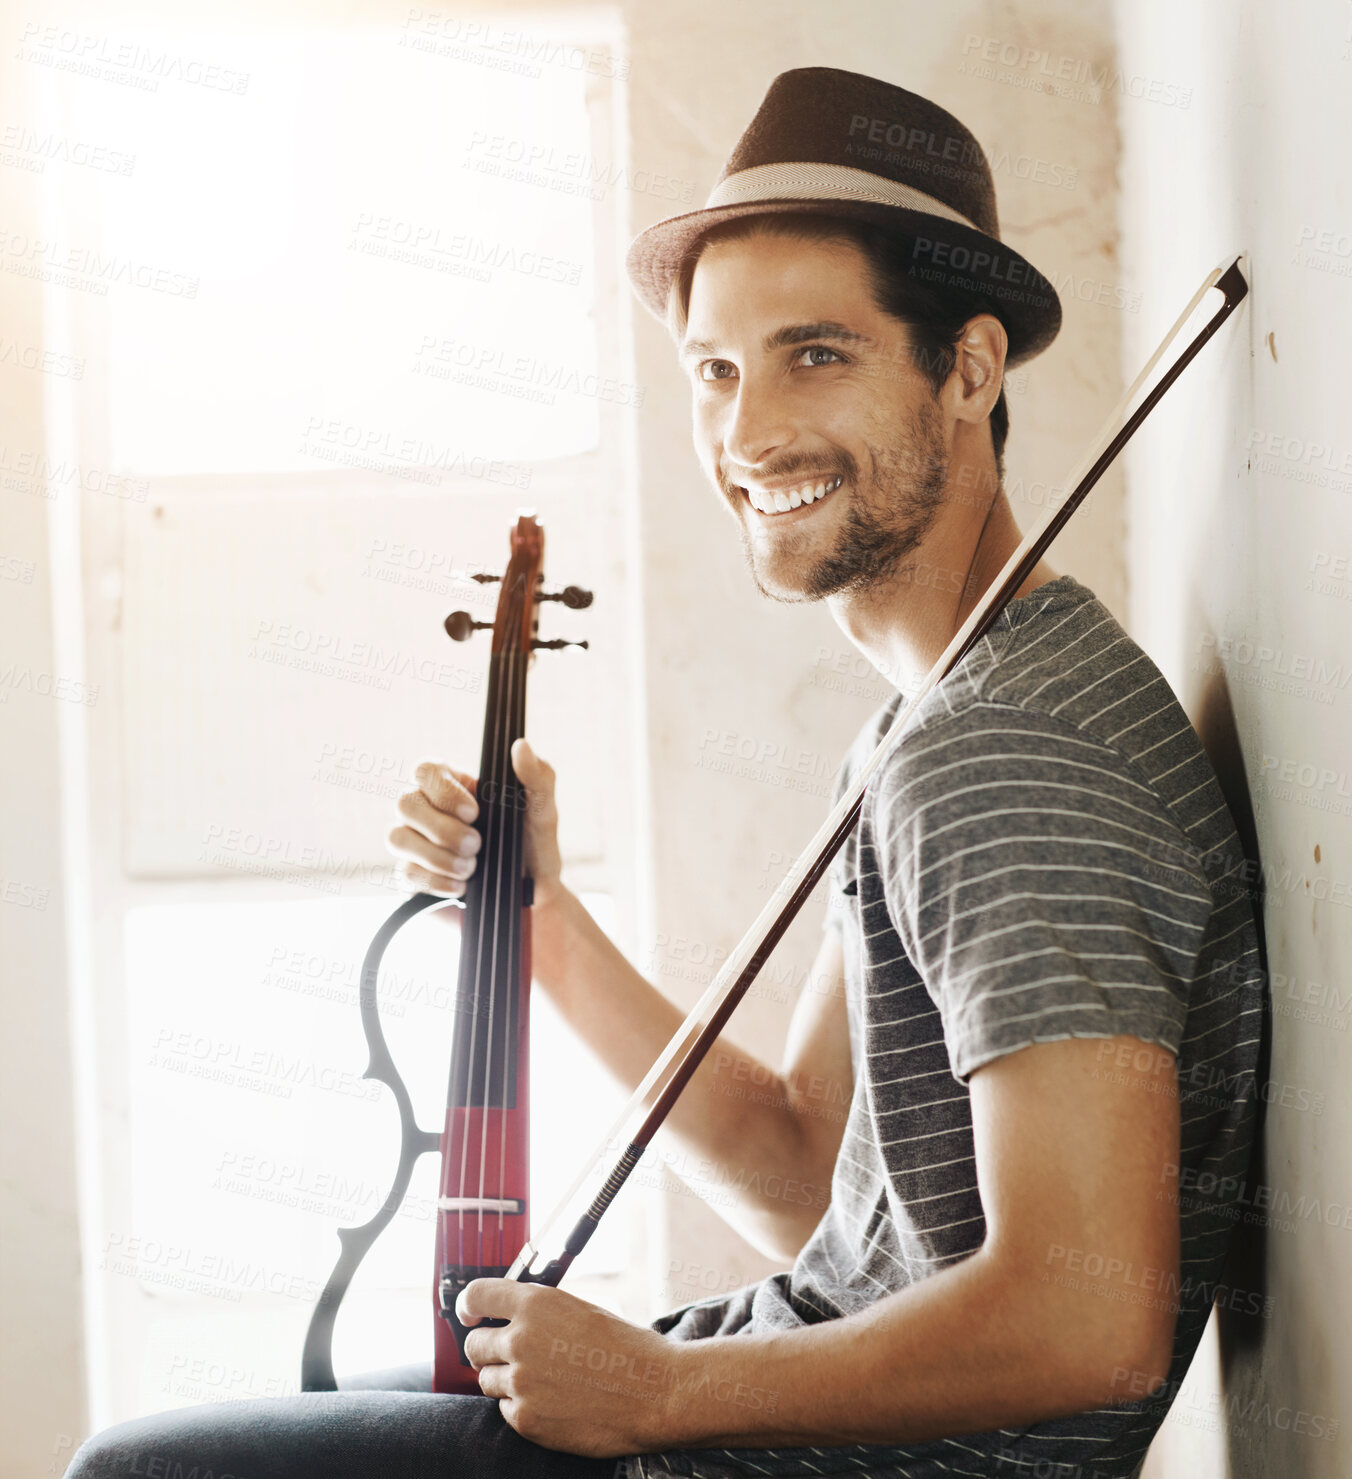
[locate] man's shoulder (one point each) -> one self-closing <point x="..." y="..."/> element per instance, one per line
<point x="1057" y="710"/>
<point x="1057" y="681"/>
<point x="1061" y="651"/>
<point x="1058" y="670"/>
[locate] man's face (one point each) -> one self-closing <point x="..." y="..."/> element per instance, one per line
<point x="800" y="380"/>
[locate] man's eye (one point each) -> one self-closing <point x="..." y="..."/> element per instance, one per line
<point x="710" y="369"/>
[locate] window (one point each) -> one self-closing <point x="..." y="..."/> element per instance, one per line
<point x="338" y="321"/>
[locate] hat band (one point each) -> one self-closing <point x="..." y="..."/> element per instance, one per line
<point x="804" y="180"/>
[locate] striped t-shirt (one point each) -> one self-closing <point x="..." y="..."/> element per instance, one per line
<point x="1044" y="854"/>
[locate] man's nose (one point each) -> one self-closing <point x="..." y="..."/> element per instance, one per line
<point x="758" y="425"/>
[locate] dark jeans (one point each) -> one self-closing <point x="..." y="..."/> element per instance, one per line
<point x="383" y="1425"/>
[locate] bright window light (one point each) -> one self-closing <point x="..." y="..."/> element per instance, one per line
<point x="373" y="257"/>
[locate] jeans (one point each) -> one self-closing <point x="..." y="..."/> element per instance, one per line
<point x="382" y="1425"/>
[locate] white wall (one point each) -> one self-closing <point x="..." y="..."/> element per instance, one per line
<point x="41" y="1375"/>
<point x="1240" y="503"/>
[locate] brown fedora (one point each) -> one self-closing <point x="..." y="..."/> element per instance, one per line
<point x="829" y="140"/>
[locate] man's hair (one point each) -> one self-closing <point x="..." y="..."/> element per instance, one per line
<point x="935" y="315"/>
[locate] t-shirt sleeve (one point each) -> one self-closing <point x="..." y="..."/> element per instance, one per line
<point x="1038" y="884"/>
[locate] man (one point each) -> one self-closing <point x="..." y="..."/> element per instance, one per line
<point x="1046" y="1025"/>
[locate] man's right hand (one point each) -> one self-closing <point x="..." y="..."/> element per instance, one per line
<point x="436" y="839"/>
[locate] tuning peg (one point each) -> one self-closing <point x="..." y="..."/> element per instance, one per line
<point x="460" y="625"/>
<point x="558" y="642"/>
<point x="572" y="596"/>
<point x="484" y="579"/>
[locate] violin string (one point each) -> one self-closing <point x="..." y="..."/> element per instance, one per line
<point x="501" y="763"/>
<point x="492" y="840"/>
<point x="513" y="823"/>
<point x="502" y="920"/>
<point x="514" y="874"/>
<point x="467" y="1098"/>
<point x="498" y="823"/>
<point x="506" y="916"/>
<point x="491" y="747"/>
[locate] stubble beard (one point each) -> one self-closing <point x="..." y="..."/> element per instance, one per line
<point x="882" y="525"/>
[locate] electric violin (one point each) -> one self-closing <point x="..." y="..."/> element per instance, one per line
<point x="482" y="1224"/>
<point x="483" y="1191"/>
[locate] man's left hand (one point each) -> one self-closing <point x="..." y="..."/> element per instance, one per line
<point x="567" y="1374"/>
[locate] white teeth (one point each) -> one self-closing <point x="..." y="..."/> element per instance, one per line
<point x="783" y="502"/>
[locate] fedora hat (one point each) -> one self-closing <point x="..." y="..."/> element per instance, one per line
<point x="826" y="140"/>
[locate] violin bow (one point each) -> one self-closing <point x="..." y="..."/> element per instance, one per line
<point x="641" y="1117"/>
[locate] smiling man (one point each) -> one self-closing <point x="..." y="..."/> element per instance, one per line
<point x="1037" y="996"/>
<point x="1049" y="1006"/>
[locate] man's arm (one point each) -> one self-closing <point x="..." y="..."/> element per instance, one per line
<point x="1069" y="1304"/>
<point x="772" y="1136"/>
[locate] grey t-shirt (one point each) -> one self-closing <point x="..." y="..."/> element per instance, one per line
<point x="1046" y="853"/>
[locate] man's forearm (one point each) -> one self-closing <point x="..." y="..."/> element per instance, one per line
<point x="969" y="1349"/>
<point x="751" y="1145"/>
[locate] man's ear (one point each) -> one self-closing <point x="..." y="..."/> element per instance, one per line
<point x="979" y="367"/>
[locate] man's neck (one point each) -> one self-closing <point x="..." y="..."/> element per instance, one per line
<point x="904" y="623"/>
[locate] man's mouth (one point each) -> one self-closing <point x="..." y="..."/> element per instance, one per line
<point x="786" y="500"/>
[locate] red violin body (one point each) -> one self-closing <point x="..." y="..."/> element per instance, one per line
<point x="483" y="1204"/>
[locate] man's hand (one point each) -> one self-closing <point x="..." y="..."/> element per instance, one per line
<point x="567" y="1374"/>
<point x="437" y="842"/>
